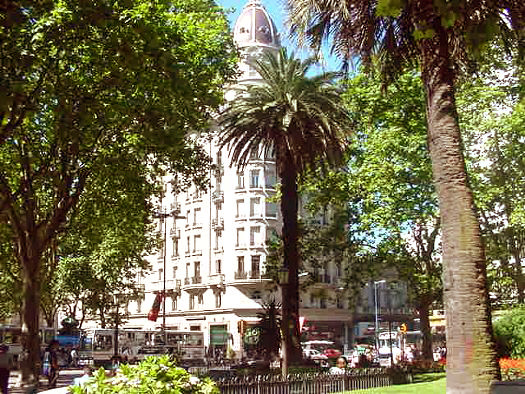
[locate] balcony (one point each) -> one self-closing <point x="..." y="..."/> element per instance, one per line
<point x="175" y="232"/>
<point x="217" y="224"/>
<point x="175" y="208"/>
<point x="216" y="280"/>
<point x="219" y="171"/>
<point x="241" y="275"/>
<point x="255" y="275"/>
<point x="252" y="278"/>
<point x="194" y="284"/>
<point x="217" y="196"/>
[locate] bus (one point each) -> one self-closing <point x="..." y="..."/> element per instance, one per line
<point x="12" y="337"/>
<point x="97" y="346"/>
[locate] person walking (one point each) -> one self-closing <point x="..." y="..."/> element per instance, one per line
<point x="50" y="364"/>
<point x="6" y="364"/>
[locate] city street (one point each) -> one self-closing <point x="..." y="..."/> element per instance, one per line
<point x="65" y="379"/>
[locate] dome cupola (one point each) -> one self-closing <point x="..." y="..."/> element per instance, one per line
<point x="254" y="27"/>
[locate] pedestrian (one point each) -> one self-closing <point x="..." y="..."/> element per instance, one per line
<point x="50" y="364"/>
<point x="340" y="366"/>
<point x="6" y="364"/>
<point x="74" y="357"/>
<point x="88" y="375"/>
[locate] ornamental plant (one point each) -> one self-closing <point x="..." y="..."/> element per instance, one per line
<point x="512" y="369"/>
<point x="154" y="375"/>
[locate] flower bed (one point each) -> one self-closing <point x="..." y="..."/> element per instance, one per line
<point x="155" y="375"/>
<point x="512" y="369"/>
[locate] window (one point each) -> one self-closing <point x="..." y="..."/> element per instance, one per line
<point x="254" y="178"/>
<point x="240" y="209"/>
<point x="187" y="270"/>
<point x="197" y="269"/>
<point x="175" y="272"/>
<point x="175" y="245"/>
<point x="270" y="178"/>
<point x="200" y="299"/>
<point x="197" y="243"/>
<point x="174" y="303"/>
<point x="271" y="209"/>
<point x="192" y="302"/>
<point x="240" y="237"/>
<point x="255" y="206"/>
<point x="254" y="154"/>
<point x="219" y="159"/>
<point x="161" y="272"/>
<point x="139" y="305"/>
<point x="218" y="240"/>
<point x="254" y="236"/>
<point x="218" y="266"/>
<point x="240" y="264"/>
<point x="218" y="300"/>
<point x="240" y="180"/>
<point x="197" y="217"/>
<point x="188" y="244"/>
<point x="256" y="266"/>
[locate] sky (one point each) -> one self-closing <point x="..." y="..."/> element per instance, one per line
<point x="277" y="12"/>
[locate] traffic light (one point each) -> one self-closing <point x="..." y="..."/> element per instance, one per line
<point x="403" y="328"/>
<point x="241" y="326"/>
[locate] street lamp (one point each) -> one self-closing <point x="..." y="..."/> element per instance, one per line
<point x="163" y="215"/>
<point x="376" y="330"/>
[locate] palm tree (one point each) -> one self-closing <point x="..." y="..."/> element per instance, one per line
<point x="438" y="35"/>
<point x="302" y="121"/>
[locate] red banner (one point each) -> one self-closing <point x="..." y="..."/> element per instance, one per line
<point x="155" y="308"/>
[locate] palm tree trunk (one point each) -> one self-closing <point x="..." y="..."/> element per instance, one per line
<point x="290" y="291"/>
<point x="471" y="359"/>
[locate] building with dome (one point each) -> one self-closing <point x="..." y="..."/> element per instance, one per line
<point x="212" y="267"/>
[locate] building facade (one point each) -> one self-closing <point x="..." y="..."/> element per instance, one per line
<point x="211" y="268"/>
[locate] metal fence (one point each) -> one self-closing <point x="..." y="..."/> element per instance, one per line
<point x="311" y="383"/>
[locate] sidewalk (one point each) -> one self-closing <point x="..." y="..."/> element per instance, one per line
<point x="65" y="378"/>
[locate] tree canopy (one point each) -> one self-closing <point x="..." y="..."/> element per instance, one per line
<point x="86" y="87"/>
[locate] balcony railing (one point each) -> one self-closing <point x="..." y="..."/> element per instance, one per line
<point x="186" y="281"/>
<point x="241" y="275"/>
<point x="217" y="223"/>
<point x="255" y="274"/>
<point x="196" y="280"/>
<point x="217" y="196"/>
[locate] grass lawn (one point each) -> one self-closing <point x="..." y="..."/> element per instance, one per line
<point x="430" y="383"/>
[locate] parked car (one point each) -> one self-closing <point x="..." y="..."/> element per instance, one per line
<point x="332" y="353"/>
<point x="314" y="354"/>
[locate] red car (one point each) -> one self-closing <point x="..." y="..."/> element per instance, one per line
<point x="332" y="353"/>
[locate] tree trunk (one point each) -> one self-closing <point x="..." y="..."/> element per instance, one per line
<point x="471" y="359"/>
<point x="426" y="350"/>
<point x="290" y="291"/>
<point x="30" y="320"/>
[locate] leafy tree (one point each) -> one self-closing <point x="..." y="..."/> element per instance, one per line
<point x="509" y="331"/>
<point x="87" y="86"/>
<point x="440" y="36"/>
<point x="492" y="113"/>
<point x="303" y="121"/>
<point x="391" y="223"/>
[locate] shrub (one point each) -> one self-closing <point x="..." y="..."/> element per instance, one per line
<point x="155" y="375"/>
<point x="509" y="332"/>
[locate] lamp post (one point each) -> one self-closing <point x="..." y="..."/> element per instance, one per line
<point x="376" y="329"/>
<point x="163" y="215"/>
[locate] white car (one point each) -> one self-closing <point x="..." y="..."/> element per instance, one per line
<point x="314" y="354"/>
